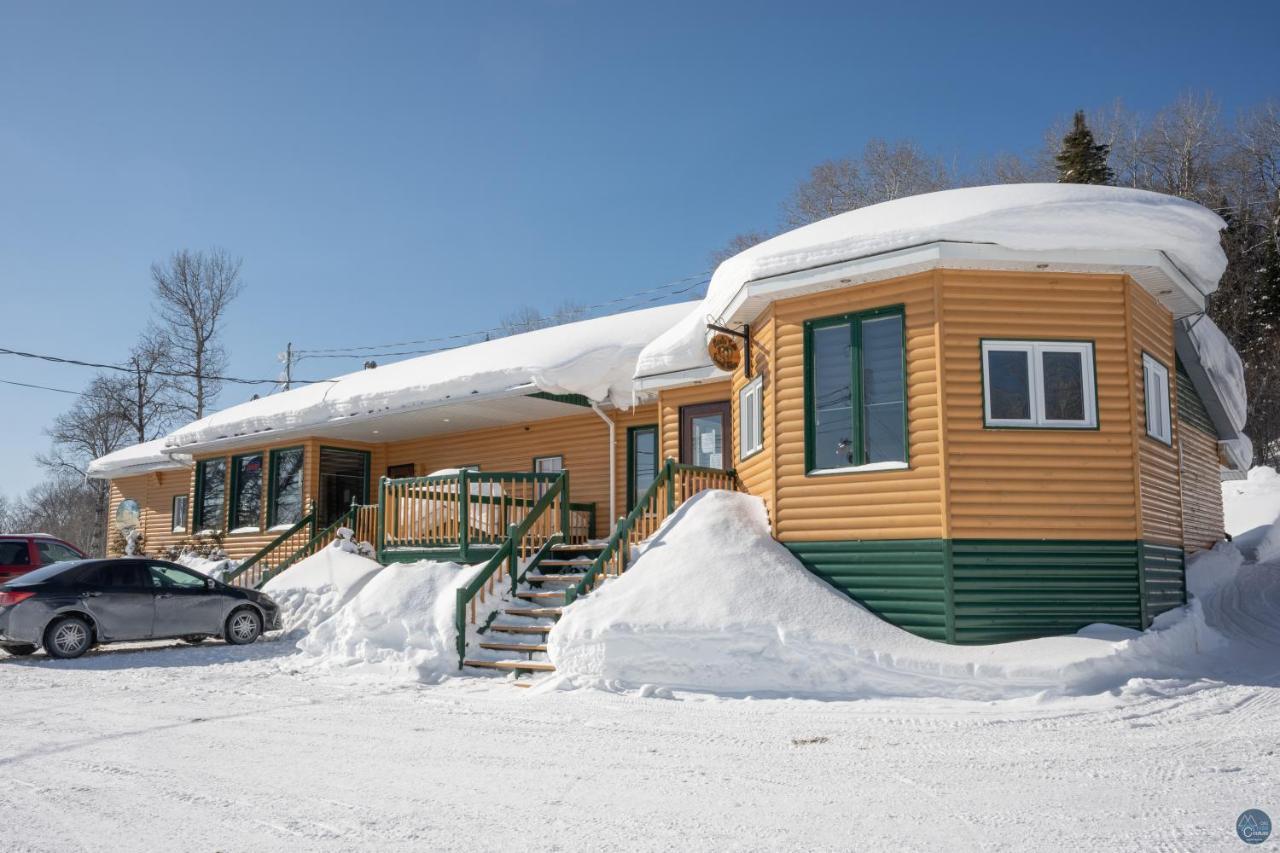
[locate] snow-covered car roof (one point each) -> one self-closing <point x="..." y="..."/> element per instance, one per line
<point x="1032" y="226"/>
<point x="593" y="358"/>
<point x="137" y="459"/>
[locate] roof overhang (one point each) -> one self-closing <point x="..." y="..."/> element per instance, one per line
<point x="654" y="382"/>
<point x="1151" y="269"/>
<point x="522" y="404"/>
<point x="172" y="463"/>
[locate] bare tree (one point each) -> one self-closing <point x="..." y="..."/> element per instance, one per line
<point x="526" y="318"/>
<point x="144" y="395"/>
<point x="883" y="172"/>
<point x="737" y="243"/>
<point x="192" y="293"/>
<point x="63" y="506"/>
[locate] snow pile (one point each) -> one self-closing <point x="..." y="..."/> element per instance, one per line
<point x="1031" y="217"/>
<point x="136" y="459"/>
<point x="216" y="565"/>
<point x="715" y="604"/>
<point x="311" y="591"/>
<point x="1225" y="369"/>
<point x="1251" y="508"/>
<point x="595" y="358"/>
<point x="345" y="540"/>
<point x="1208" y="570"/>
<point x="400" y="624"/>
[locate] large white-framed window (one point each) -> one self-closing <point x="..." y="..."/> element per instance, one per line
<point x="751" y="418"/>
<point x="1155" y="387"/>
<point x="1039" y="384"/>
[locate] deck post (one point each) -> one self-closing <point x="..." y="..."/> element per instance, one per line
<point x="670" y="474"/>
<point x="513" y="554"/>
<point x="381" y="545"/>
<point x="464" y="502"/>
<point x="564" y="508"/>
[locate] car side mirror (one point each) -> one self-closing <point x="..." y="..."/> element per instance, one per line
<point x="208" y="583"/>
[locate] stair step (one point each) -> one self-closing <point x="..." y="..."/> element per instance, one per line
<point x="520" y="629"/>
<point x="514" y="647"/>
<point x="565" y="578"/>
<point x="534" y="612"/>
<point x="512" y="665"/>
<point x="565" y="563"/>
<point x="585" y="546"/>
<point x="535" y="596"/>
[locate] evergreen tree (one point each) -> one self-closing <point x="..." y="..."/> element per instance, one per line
<point x="1081" y="160"/>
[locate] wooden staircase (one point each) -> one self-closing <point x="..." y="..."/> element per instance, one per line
<point x="516" y="641"/>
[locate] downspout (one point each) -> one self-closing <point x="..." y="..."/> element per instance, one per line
<point x="613" y="465"/>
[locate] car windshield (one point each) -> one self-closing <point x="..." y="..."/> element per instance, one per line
<point x="45" y="573"/>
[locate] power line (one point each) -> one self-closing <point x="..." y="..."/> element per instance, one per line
<point x="375" y="350"/>
<point x="123" y="368"/>
<point x="44" y="388"/>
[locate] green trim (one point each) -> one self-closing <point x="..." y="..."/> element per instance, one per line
<point x="272" y="521"/>
<point x="568" y="399"/>
<point x="1146" y="413"/>
<point x="234" y="502"/>
<point x="1163" y="579"/>
<point x="631" y="460"/>
<point x="854" y="320"/>
<point x="982" y="380"/>
<point x="197" y="516"/>
<point x="475" y="554"/>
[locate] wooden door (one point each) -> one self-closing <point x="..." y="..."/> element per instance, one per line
<point x="704" y="434"/>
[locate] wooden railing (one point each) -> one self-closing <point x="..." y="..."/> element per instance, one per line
<point x="674" y="485"/>
<point x="255" y="570"/>
<point x="545" y="524"/>
<point x="470" y="509"/>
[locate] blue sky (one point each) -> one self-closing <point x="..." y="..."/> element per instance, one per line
<point x="393" y="171"/>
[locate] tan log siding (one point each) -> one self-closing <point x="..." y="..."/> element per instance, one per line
<point x="154" y="493"/>
<point x="669" y="403"/>
<point x="583" y="441"/>
<point x="1202" y="521"/>
<point x="1037" y="483"/>
<point x="870" y="505"/>
<point x="1159" y="487"/>
<point x="757" y="473"/>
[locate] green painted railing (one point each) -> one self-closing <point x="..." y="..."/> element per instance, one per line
<point x="350" y="519"/>
<point x="546" y="524"/>
<point x="674" y="484"/>
<point x="250" y="572"/>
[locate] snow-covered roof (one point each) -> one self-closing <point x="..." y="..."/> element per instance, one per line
<point x="1217" y="373"/>
<point x="1168" y="244"/>
<point x="594" y="358"/>
<point x="136" y="459"/>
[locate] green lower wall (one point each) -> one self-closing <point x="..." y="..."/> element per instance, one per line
<point x="901" y="581"/>
<point x="999" y="590"/>
<point x="1164" y="580"/>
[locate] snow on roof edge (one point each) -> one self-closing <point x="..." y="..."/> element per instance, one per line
<point x="140" y="458"/>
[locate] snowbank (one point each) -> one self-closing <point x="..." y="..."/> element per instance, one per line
<point x="1251" y="508"/>
<point x="595" y="358"/>
<point x="1033" y="217"/>
<point x="399" y="624"/>
<point x="136" y="459"/>
<point x="715" y="604"/>
<point x="316" y="588"/>
<point x="214" y="567"/>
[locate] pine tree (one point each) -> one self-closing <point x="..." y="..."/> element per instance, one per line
<point x="1081" y="160"/>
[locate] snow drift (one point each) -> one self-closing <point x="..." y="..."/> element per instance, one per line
<point x="1032" y="217"/>
<point x="715" y="604"/>
<point x="316" y="588"/>
<point x="1251" y="508"/>
<point x="399" y="624"/>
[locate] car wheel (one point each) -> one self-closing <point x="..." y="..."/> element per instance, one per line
<point x="20" y="650"/>
<point x="195" y="639"/>
<point x="68" y="637"/>
<point x="243" y="627"/>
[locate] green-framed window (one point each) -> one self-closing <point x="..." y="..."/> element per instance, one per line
<point x="642" y="460"/>
<point x="1038" y="384"/>
<point x="284" y="492"/>
<point x="246" y="492"/>
<point x="855" y="390"/>
<point x="211" y="494"/>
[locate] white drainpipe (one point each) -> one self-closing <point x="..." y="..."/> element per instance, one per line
<point x="613" y="466"/>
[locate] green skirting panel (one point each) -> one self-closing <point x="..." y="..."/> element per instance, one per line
<point x="1007" y="589"/>
<point x="1164" y="580"/>
<point x="901" y="581"/>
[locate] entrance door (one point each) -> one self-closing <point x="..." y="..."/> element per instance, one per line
<point x="344" y="477"/>
<point x="703" y="430"/>
<point x="642" y="461"/>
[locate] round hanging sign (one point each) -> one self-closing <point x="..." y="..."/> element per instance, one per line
<point x="724" y="352"/>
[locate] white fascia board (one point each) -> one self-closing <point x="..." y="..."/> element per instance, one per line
<point x="1151" y="269"/>
<point x="678" y="378"/>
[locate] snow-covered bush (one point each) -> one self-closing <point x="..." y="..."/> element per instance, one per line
<point x="346" y="541"/>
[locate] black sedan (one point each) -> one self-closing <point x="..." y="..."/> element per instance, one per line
<point x="69" y="607"/>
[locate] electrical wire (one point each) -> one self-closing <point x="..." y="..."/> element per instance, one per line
<point x="56" y="359"/>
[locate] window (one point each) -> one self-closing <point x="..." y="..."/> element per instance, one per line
<point x="1045" y="384"/>
<point x="55" y="552"/>
<point x="284" y="506"/>
<point x="703" y="433"/>
<point x="173" y="577"/>
<point x="855" y="390"/>
<point x="246" y="493"/>
<point x="119" y="574"/>
<point x="211" y="494"/>
<point x="750" y="419"/>
<point x="179" y="514"/>
<point x="548" y="464"/>
<point x="344" y="479"/>
<point x="400" y="472"/>
<point x="13" y="552"/>
<point x="642" y="461"/>
<point x="1155" y="386"/>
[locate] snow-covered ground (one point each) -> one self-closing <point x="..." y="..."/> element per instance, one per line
<point x="169" y="748"/>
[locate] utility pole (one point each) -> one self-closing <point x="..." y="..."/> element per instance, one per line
<point x="288" y="365"/>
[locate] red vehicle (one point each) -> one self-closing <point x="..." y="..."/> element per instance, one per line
<point x="22" y="552"/>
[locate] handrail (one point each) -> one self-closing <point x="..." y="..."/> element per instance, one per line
<point x="619" y="542"/>
<point x="507" y="554"/>
<point x="267" y="549"/>
<point x="326" y="535"/>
